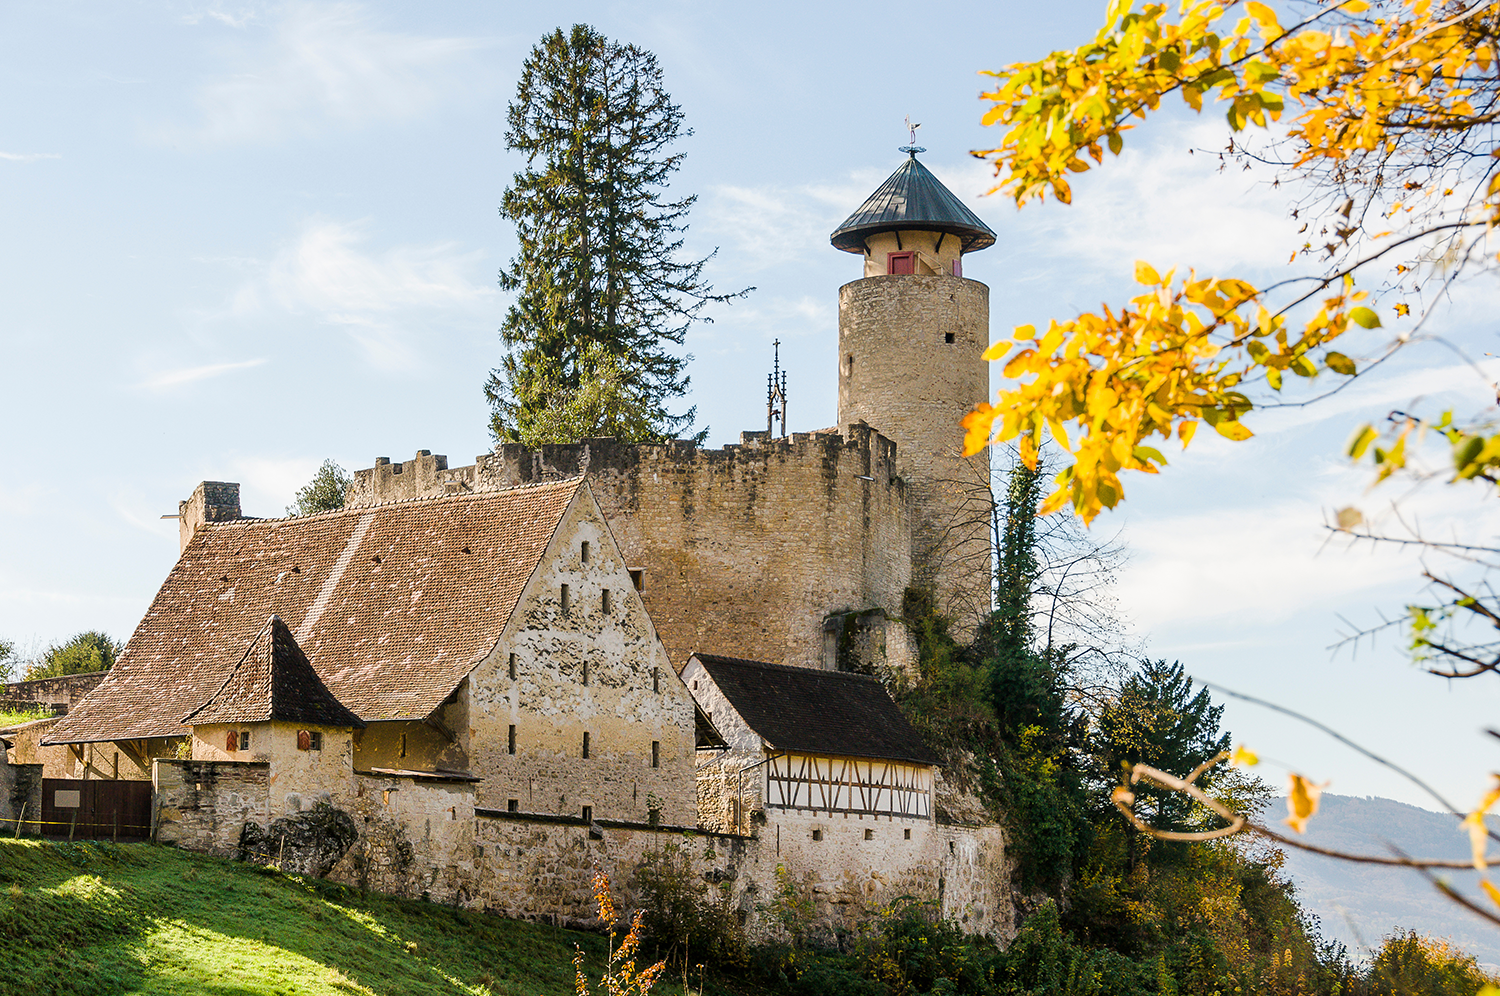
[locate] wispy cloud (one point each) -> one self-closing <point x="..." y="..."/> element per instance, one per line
<point x="382" y="299"/>
<point x="28" y="157"/>
<point x="187" y="375"/>
<point x="316" y="64"/>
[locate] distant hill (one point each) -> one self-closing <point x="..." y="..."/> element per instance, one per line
<point x="1360" y="904"/>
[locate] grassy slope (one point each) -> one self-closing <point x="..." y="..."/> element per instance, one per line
<point x="94" y="918"/>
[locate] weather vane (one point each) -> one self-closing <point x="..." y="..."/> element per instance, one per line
<point x="911" y="131"/>
<point x="776" y="395"/>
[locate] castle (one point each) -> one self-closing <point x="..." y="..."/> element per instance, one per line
<point x="497" y="676"/>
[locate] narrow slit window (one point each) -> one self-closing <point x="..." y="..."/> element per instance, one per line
<point x="566" y="600"/>
<point x="638" y="579"/>
<point x="817" y="835"/>
<point x="585" y="551"/>
<point x="511" y="744"/>
<point x="869" y="835"/>
<point x="604" y="601"/>
<point x="908" y="833"/>
<point x="656" y="753"/>
<point x="656" y="679"/>
<point x="588" y="814"/>
<point x="512" y="805"/>
<point x="585" y="744"/>
<point x="585" y="672"/>
<point x="512" y="667"/>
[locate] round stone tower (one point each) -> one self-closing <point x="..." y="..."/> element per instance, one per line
<point x="912" y="333"/>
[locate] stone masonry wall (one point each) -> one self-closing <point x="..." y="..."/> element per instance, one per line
<point x="20" y="795"/>
<point x="745" y="550"/>
<point x="416" y="838"/>
<point x="62" y="691"/>
<point x="542" y="870"/>
<point x="203" y="805"/>
<point x="581" y="670"/>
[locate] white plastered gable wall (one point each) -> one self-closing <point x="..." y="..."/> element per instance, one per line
<point x="582" y="670"/>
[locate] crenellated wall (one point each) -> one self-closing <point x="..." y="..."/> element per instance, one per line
<point x="745" y="550"/>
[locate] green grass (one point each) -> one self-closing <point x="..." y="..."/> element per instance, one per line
<point x="96" y="918"/>
<point x="18" y="716"/>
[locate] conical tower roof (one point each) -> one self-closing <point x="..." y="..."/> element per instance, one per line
<point x="912" y="198"/>
<point x="273" y="680"/>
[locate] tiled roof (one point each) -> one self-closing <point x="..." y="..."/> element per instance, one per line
<point x="817" y="712"/>
<point x="393" y="604"/>
<point x="912" y="199"/>
<point x="273" y="680"/>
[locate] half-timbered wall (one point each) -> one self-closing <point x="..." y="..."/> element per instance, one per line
<point x="853" y="785"/>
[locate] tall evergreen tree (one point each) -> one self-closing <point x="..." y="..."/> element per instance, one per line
<point x="602" y="293"/>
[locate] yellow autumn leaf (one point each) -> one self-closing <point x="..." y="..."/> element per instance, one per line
<point x="1244" y="755"/>
<point x="1234" y="430"/>
<point x="1301" y="801"/>
<point x="997" y="349"/>
<point x="1492" y="892"/>
<point x="1350" y="517"/>
<point x="1146" y="274"/>
<point x="1478" y="832"/>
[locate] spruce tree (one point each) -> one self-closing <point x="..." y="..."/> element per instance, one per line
<point x="602" y="295"/>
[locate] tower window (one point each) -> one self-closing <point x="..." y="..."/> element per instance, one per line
<point x="948" y="338"/>
<point x="585" y="551"/>
<point x="585" y="744"/>
<point x="901" y="262"/>
<point x="512" y="740"/>
<point x="656" y="753"/>
<point x="851" y="365"/>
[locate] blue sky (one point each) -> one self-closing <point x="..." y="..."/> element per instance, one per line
<point x="240" y="238"/>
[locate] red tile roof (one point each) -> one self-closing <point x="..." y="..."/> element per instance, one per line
<point x="393" y="605"/>
<point x="274" y="680"/>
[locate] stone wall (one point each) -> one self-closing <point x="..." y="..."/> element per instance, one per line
<point x="20" y="795"/>
<point x="298" y="779"/>
<point x="416" y="838"/>
<point x="579" y="670"/>
<point x="911" y="364"/>
<point x="204" y="805"/>
<point x="542" y="869"/>
<point x="60" y="693"/>
<point x="744" y="550"/>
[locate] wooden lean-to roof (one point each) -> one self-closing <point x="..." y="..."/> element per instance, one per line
<point x="817" y="712"/>
<point x="392" y="604"/>
<point x="274" y="680"/>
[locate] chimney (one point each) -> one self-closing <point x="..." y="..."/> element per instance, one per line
<point x="212" y="501"/>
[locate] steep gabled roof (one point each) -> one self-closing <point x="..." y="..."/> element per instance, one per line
<point x="817" y="712"/>
<point x="912" y="199"/>
<point x="393" y="604"/>
<point x="273" y="680"/>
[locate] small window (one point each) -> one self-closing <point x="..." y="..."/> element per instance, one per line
<point x="585" y="672"/>
<point x="817" y="835"/>
<point x="948" y="338"/>
<point x="512" y="667"/>
<point x="638" y="579"/>
<point x="585" y="744"/>
<point x="512" y="741"/>
<point x="588" y="814"/>
<point x="656" y="753"/>
<point x="245" y="740"/>
<point x="869" y="834"/>
<point x="604" y="601"/>
<point x="656" y="679"/>
<point x="403" y="745"/>
<point x="316" y="738"/>
<point x="566" y="600"/>
<point x="585" y="551"/>
<point x="514" y="806"/>
<point x="901" y="262"/>
<point x="851" y="365"/>
<point x="908" y="833"/>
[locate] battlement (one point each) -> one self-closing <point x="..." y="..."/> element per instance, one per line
<point x="428" y="475"/>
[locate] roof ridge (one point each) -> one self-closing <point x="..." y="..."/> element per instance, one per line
<point x="574" y="479"/>
<point x="786" y="667"/>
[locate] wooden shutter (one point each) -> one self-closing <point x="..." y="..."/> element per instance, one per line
<point x="232" y="741"/>
<point x="901" y="262"/>
<point x="304" y="740"/>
